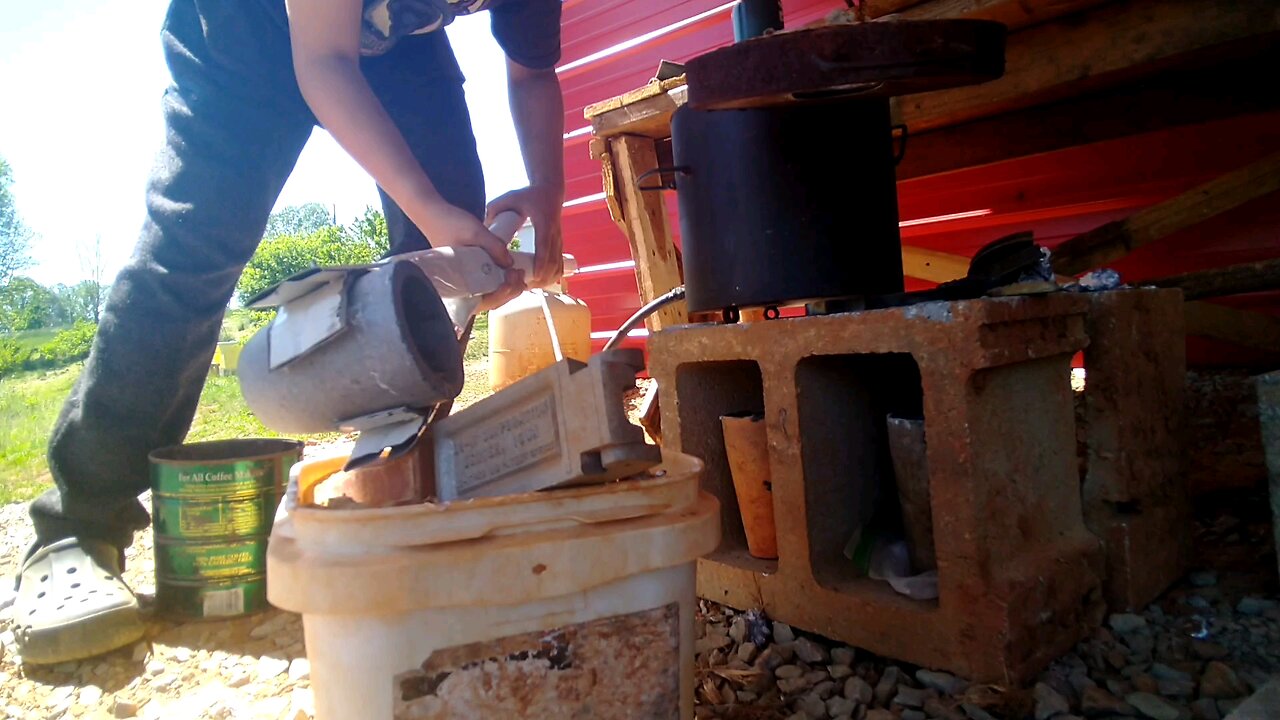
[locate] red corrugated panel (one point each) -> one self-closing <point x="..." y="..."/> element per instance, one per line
<point x="627" y="71"/>
<point x="593" y="27"/>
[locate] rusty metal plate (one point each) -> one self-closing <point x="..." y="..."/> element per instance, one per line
<point x="875" y="59"/>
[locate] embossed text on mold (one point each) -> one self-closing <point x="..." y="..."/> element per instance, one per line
<point x="507" y="443"/>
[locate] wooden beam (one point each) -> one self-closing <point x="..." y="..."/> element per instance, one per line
<point x="1015" y="14"/>
<point x="1172" y="98"/>
<point x="1224" y="281"/>
<point x="932" y="265"/>
<point x="655" y="88"/>
<point x="1103" y="47"/>
<point x="1115" y="240"/>
<point x="1242" y="327"/>
<point x="643" y="220"/>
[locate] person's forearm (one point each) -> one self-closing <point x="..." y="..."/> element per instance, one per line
<point x="537" y="110"/>
<point x="345" y="105"/>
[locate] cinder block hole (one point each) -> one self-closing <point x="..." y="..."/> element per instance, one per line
<point x="849" y="483"/>
<point x="707" y="391"/>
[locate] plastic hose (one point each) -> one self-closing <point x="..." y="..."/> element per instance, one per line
<point x="654" y="306"/>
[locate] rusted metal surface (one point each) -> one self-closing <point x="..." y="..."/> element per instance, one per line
<point x="1018" y="571"/>
<point x="608" y="669"/>
<point x="1135" y="490"/>
<point x="864" y="60"/>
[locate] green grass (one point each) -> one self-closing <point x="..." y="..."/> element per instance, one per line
<point x="29" y="403"/>
<point x="478" y="349"/>
<point x="223" y="415"/>
<point x="32" y="339"/>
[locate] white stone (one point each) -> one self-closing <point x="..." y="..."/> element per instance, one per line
<point x="269" y="667"/>
<point x="90" y="695"/>
<point x="124" y="708"/>
<point x="299" y="669"/>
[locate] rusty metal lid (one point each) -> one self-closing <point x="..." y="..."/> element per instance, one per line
<point x="873" y="59"/>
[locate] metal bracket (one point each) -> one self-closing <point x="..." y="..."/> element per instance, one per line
<point x="310" y="310"/>
<point x="393" y="431"/>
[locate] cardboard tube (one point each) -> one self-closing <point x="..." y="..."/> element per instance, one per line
<point x="748" y="453"/>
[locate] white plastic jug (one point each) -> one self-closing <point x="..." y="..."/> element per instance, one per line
<point x="521" y="342"/>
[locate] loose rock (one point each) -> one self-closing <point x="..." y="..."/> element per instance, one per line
<point x="1220" y="682"/>
<point x="124" y="708"/>
<point x="1095" y="702"/>
<point x="811" y="652"/>
<point x="269" y="667"/>
<point x="888" y="685"/>
<point x="910" y="697"/>
<point x="837" y="706"/>
<point x="945" y="683"/>
<point x="1049" y="703"/>
<point x="1205" y="709"/>
<point x="857" y="690"/>
<point x="787" y="672"/>
<point x="1255" y="606"/>
<point x="1126" y="623"/>
<point x="812" y="705"/>
<point x="1152" y="706"/>
<point x="782" y="633"/>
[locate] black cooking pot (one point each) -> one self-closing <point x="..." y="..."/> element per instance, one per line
<point x="787" y="204"/>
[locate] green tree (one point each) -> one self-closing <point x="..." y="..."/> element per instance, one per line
<point x="298" y="220"/>
<point x="91" y="293"/>
<point x="15" y="236"/>
<point x="371" y="228"/>
<point x="27" y="305"/>
<point x="278" y="258"/>
<point x="82" y="301"/>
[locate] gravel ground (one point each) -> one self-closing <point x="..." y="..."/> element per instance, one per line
<point x="1193" y="655"/>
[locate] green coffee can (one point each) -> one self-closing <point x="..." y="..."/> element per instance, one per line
<point x="213" y="505"/>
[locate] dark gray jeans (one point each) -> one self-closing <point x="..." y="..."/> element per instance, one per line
<point x="235" y="125"/>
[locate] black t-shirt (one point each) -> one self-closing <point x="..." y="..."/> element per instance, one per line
<point x="528" y="31"/>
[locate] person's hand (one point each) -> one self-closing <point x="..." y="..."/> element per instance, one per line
<point x="513" y="286"/>
<point x="449" y="226"/>
<point x="543" y="206"/>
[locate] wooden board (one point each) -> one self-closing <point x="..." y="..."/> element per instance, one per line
<point x="1113" y="241"/>
<point x="644" y="222"/>
<point x="1015" y="14"/>
<point x="1242" y="327"/>
<point x="655" y="88"/>
<point x="1224" y="281"/>
<point x="1171" y="98"/>
<point x="1100" y="48"/>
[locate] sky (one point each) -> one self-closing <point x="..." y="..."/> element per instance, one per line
<point x="80" y="124"/>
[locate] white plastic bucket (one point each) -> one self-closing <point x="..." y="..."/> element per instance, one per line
<point x="574" y="603"/>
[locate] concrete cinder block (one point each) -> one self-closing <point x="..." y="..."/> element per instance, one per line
<point x="565" y="425"/>
<point x="1018" y="571"/>
<point x="1134" y="484"/>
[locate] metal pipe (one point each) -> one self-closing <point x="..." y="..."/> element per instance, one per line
<point x="676" y="293"/>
